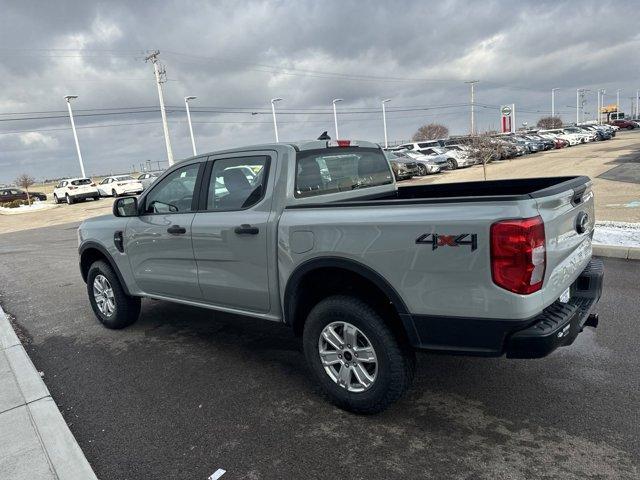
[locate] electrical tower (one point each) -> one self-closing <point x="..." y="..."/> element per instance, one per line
<point x="161" y="77"/>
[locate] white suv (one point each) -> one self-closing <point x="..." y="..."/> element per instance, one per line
<point x="71" y="190"/>
<point x="119" y="185"/>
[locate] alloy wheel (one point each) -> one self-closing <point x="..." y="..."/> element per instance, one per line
<point x="348" y="357"/>
<point x="103" y="295"/>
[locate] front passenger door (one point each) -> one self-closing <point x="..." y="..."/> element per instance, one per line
<point x="158" y="241"/>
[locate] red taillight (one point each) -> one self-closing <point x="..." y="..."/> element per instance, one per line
<point x="72" y="188"/>
<point x="518" y="254"/>
<point x="344" y="143"/>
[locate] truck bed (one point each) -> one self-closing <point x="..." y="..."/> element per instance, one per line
<point x="481" y="191"/>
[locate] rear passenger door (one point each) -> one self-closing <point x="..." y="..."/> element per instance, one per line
<point x="158" y="241"/>
<point x="231" y="232"/>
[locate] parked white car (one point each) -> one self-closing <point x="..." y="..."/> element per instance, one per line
<point x="426" y="164"/>
<point x="120" y="185"/>
<point x="71" y="190"/>
<point x="455" y="158"/>
<point x="572" y="138"/>
<point x="146" y="179"/>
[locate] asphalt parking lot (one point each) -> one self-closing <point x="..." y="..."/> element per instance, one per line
<point x="185" y="391"/>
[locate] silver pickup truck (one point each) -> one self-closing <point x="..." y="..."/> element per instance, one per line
<point x="318" y="235"/>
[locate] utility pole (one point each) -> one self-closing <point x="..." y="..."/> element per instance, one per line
<point x="273" y="113"/>
<point x="637" y="104"/>
<point x="68" y="98"/>
<point x="473" y="120"/>
<point x="578" y="90"/>
<point x="186" y="104"/>
<point x="553" y="102"/>
<point x="335" y="114"/>
<point x="161" y="77"/>
<point x="384" y="121"/>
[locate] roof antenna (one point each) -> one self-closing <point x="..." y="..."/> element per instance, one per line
<point x="324" y="136"/>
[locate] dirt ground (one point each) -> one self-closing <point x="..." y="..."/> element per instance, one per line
<point x="613" y="165"/>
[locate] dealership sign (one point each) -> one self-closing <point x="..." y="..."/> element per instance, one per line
<point x="507" y="120"/>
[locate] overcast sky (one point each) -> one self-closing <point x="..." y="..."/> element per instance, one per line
<point x="238" y="55"/>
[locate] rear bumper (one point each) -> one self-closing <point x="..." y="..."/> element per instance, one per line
<point x="84" y="195"/>
<point x="557" y="325"/>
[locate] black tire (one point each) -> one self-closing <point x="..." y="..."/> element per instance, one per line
<point x="396" y="360"/>
<point x="127" y="308"/>
<point x="95" y="199"/>
<point x="56" y="200"/>
<point x="452" y="164"/>
<point x="68" y="199"/>
<point x="422" y="170"/>
<point x="114" y="194"/>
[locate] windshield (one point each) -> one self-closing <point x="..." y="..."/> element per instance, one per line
<point x="81" y="181"/>
<point x="339" y="169"/>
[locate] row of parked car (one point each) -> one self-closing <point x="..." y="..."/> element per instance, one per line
<point x="71" y="190"/>
<point x="433" y="156"/>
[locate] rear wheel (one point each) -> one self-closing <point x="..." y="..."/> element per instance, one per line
<point x="68" y="199"/>
<point x="114" y="194"/>
<point x="111" y="305"/>
<point x="358" y="361"/>
<point x="452" y="164"/>
<point x="422" y="170"/>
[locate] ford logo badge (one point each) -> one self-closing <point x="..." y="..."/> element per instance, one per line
<point x="582" y="222"/>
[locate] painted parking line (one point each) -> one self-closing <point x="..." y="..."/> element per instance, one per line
<point x="217" y="474"/>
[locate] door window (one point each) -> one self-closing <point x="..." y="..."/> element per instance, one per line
<point x="174" y="194"/>
<point x="237" y="183"/>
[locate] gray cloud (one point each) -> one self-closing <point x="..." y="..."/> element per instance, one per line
<point x="241" y="54"/>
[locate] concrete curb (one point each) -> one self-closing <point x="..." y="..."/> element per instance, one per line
<point x="616" y="251"/>
<point x="36" y="441"/>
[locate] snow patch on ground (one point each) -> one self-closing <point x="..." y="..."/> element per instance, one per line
<point x="617" y="233"/>
<point x="34" y="207"/>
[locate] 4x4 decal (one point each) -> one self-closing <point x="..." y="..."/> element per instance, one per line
<point x="437" y="240"/>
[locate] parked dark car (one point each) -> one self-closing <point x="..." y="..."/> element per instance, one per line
<point x="12" y="193"/>
<point x="624" y="124"/>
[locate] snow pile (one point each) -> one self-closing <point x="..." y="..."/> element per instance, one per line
<point x="34" y="207"/>
<point x="617" y="233"/>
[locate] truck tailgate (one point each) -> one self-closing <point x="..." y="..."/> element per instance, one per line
<point x="569" y="222"/>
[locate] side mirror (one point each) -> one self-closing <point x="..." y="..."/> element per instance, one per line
<point x="125" y="207"/>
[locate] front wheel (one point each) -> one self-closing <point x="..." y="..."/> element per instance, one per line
<point x="452" y="164"/>
<point x="111" y="305"/>
<point x="55" y="199"/>
<point x="114" y="194"/>
<point x="422" y="170"/>
<point x="355" y="357"/>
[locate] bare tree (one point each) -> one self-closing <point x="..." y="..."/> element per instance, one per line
<point x="484" y="148"/>
<point x="431" y="131"/>
<point x="549" y="122"/>
<point x="25" y="181"/>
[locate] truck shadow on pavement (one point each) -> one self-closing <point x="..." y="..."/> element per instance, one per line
<point x="215" y="385"/>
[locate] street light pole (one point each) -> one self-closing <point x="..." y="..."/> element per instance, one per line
<point x="637" y="104"/>
<point x="617" y="102"/>
<point x="384" y="121"/>
<point x="68" y="98"/>
<point x="553" y="102"/>
<point x="335" y="115"/>
<point x="273" y="112"/>
<point x="186" y="104"/>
